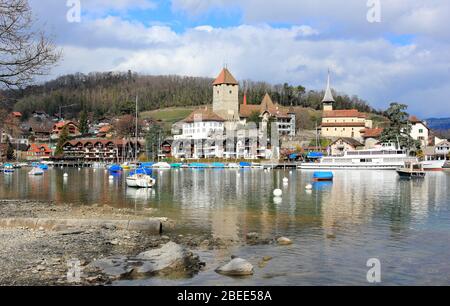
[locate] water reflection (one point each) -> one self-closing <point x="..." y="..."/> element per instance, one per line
<point x="336" y="226"/>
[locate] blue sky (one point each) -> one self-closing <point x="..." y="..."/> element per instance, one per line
<point x="404" y="58"/>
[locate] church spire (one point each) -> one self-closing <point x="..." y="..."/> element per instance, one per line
<point x="328" y="99"/>
<point x="328" y="93"/>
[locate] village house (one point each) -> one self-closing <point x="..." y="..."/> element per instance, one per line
<point x="420" y="131"/>
<point x="101" y="150"/>
<point x="17" y="115"/>
<point x="341" y="123"/>
<point x="344" y="144"/>
<point x="371" y="137"/>
<point x="38" y="152"/>
<point x="222" y="131"/>
<point x="72" y="129"/>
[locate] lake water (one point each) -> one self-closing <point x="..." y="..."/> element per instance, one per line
<point x="336" y="228"/>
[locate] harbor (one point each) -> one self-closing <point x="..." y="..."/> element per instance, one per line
<point x="336" y="226"/>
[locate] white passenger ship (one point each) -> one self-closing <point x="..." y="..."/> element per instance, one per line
<point x="387" y="157"/>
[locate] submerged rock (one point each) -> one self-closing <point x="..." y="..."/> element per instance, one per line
<point x="116" y="266"/>
<point x="170" y="258"/>
<point x="284" y="241"/>
<point x="236" y="267"/>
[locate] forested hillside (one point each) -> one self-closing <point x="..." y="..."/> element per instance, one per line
<point x="114" y="93"/>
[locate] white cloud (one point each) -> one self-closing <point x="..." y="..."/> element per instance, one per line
<point x="419" y="17"/>
<point x="368" y="65"/>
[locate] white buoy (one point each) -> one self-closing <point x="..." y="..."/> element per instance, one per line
<point x="160" y="172"/>
<point x="309" y="187"/>
<point x="285" y="181"/>
<point x="62" y="167"/>
<point x="290" y="172"/>
<point x="65" y="175"/>
<point x="111" y="177"/>
<point x="79" y="169"/>
<point x="278" y="193"/>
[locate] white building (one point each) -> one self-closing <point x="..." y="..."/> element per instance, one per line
<point x="420" y="131"/>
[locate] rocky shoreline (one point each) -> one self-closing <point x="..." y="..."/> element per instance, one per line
<point x="100" y="254"/>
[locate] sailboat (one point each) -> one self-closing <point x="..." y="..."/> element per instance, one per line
<point x="140" y="178"/>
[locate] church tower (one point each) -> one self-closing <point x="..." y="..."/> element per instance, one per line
<point x="226" y="95"/>
<point x="328" y="100"/>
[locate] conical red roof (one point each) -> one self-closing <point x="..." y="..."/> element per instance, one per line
<point x="225" y="77"/>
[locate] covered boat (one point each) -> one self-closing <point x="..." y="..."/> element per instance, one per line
<point x="43" y="167"/>
<point x="245" y="165"/>
<point x="176" y="165"/>
<point x="115" y="168"/>
<point x="36" y="171"/>
<point x="218" y="165"/>
<point x="147" y="165"/>
<point x="198" y="166"/>
<point x="8" y="168"/>
<point x="161" y="165"/>
<point x="323" y="176"/>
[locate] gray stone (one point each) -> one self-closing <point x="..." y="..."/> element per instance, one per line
<point x="170" y="256"/>
<point x="236" y="267"/>
<point x="113" y="266"/>
<point x="284" y="241"/>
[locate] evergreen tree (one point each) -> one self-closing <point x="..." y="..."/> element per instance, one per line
<point x="63" y="138"/>
<point x="84" y="126"/>
<point x="10" y="152"/>
<point x="399" y="130"/>
<point x="153" y="140"/>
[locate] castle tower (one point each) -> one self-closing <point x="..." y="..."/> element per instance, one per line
<point x="328" y="100"/>
<point x="226" y="95"/>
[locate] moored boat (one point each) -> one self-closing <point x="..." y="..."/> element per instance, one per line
<point x="115" y="168"/>
<point x="140" y="181"/>
<point x="433" y="165"/>
<point x="161" y="165"/>
<point x="37" y="171"/>
<point x="8" y="168"/>
<point x="385" y="158"/>
<point x="411" y="170"/>
<point x="323" y="176"/>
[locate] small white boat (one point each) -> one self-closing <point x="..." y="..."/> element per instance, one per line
<point x="140" y="181"/>
<point x="8" y="168"/>
<point x="233" y="165"/>
<point x="161" y="165"/>
<point x="257" y="166"/>
<point x="433" y="165"/>
<point x="36" y="171"/>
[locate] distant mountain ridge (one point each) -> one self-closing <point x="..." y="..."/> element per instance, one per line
<point x="439" y="124"/>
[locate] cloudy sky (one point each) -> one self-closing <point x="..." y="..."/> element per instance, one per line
<point x="405" y="57"/>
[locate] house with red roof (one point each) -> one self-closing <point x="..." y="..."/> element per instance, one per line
<point x="38" y="152"/>
<point x="420" y="131"/>
<point x="101" y="150"/>
<point x="72" y="129"/>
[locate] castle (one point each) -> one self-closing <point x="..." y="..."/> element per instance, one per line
<point x="206" y="125"/>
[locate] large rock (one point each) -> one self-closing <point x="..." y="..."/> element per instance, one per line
<point x="116" y="267"/>
<point x="170" y="258"/>
<point x="284" y="241"/>
<point x="236" y="267"/>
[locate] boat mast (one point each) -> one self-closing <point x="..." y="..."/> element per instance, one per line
<point x="136" y="145"/>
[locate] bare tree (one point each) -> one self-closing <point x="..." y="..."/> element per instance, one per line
<point x="24" y="53"/>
